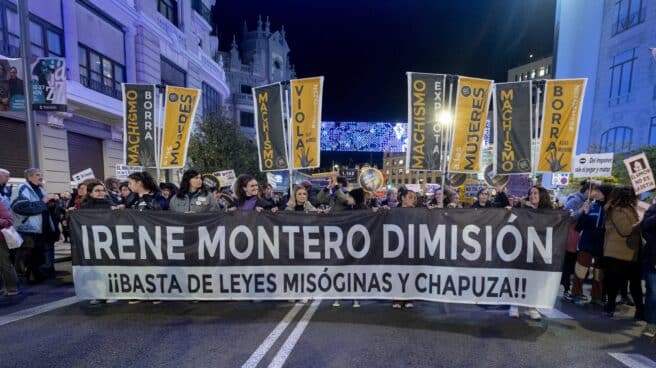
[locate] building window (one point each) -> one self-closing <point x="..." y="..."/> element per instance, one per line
<point x="618" y="139"/>
<point x="100" y="73"/>
<point x="246" y="89"/>
<point x="630" y="13"/>
<point x="246" y="119"/>
<point x="172" y="75"/>
<point x="621" y="74"/>
<point x="211" y="100"/>
<point x="46" y="39"/>
<point x="516" y="77"/>
<point x="169" y="9"/>
<point x="202" y="10"/>
<point x="652" y="132"/>
<point x="532" y="73"/>
<point x="542" y="71"/>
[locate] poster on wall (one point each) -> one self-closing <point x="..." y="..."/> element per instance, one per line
<point x="49" y="84"/>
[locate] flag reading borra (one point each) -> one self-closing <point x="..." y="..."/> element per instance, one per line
<point x="492" y="256"/>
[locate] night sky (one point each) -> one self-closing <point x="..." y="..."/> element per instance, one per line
<point x="364" y="48"/>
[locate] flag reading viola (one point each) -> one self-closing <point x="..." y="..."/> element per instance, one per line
<point x="305" y="124"/>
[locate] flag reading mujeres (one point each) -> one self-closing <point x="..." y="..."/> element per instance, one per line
<point x="563" y="100"/>
<point x="472" y="101"/>
<point x="425" y="130"/>
<point x="513" y="121"/>
<point x="270" y="127"/>
<point x="462" y="256"/>
<point x="139" y="125"/>
<point x="179" y="113"/>
<point x="305" y="125"/>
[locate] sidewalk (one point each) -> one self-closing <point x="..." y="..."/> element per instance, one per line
<point x="62" y="252"/>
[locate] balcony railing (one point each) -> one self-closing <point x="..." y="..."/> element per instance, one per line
<point x="202" y="10"/>
<point x="100" y="87"/>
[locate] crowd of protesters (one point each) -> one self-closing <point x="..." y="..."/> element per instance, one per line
<point x="605" y="236"/>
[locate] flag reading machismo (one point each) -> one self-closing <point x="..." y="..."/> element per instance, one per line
<point x="513" y="121"/>
<point x="425" y="130"/>
<point x="139" y="124"/>
<point x="180" y="110"/>
<point x="270" y="127"/>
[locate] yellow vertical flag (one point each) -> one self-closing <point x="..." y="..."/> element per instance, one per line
<point x="179" y="113"/>
<point x="560" y="124"/>
<point x="305" y="124"/>
<point x="472" y="101"/>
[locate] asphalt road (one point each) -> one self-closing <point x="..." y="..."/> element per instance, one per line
<point x="274" y="334"/>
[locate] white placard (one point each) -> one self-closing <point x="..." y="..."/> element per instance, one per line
<point x="226" y="177"/>
<point x="122" y="171"/>
<point x="589" y="165"/>
<point x="82" y="176"/>
<point x="640" y="173"/>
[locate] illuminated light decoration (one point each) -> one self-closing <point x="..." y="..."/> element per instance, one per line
<point x="364" y="136"/>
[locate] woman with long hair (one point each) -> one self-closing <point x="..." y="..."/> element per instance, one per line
<point x="246" y="191"/>
<point x="621" y="258"/>
<point x="299" y="201"/>
<point x="538" y="198"/>
<point x="193" y="197"/>
<point x="145" y="189"/>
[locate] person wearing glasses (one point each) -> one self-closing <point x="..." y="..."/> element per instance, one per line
<point x="97" y="197"/>
<point x="483" y="199"/>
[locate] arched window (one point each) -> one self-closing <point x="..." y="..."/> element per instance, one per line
<point x="616" y="139"/>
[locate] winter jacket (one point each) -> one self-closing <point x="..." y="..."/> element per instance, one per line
<point x="336" y="199"/>
<point x="620" y="220"/>
<point x="199" y="202"/>
<point x="477" y="204"/>
<point x="648" y="227"/>
<point x="6" y="220"/>
<point x="307" y="206"/>
<point x="28" y="209"/>
<point x="97" y="204"/>
<point x="574" y="203"/>
<point x="147" y="202"/>
<point x="593" y="228"/>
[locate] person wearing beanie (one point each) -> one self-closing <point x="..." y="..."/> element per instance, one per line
<point x="592" y="226"/>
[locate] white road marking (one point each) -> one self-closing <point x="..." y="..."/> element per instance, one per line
<point x="261" y="351"/>
<point x="293" y="338"/>
<point x="554" y="313"/>
<point x="31" y="312"/>
<point x="634" y="360"/>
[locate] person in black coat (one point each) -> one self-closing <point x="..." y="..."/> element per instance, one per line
<point x="648" y="258"/>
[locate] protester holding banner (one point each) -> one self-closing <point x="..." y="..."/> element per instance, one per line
<point x="246" y="190"/>
<point x="408" y="200"/>
<point x="482" y="199"/>
<point x="391" y="198"/>
<point x="145" y="189"/>
<point x="267" y="197"/>
<point x="7" y="272"/>
<point x="112" y="185"/>
<point x="648" y="258"/>
<point x="167" y="191"/>
<point x="453" y="199"/>
<point x="193" y="197"/>
<point x="299" y="201"/>
<point x="97" y="197"/>
<point x="538" y="198"/>
<point x="335" y="193"/>
<point x="621" y="246"/>
<point x="592" y="225"/>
